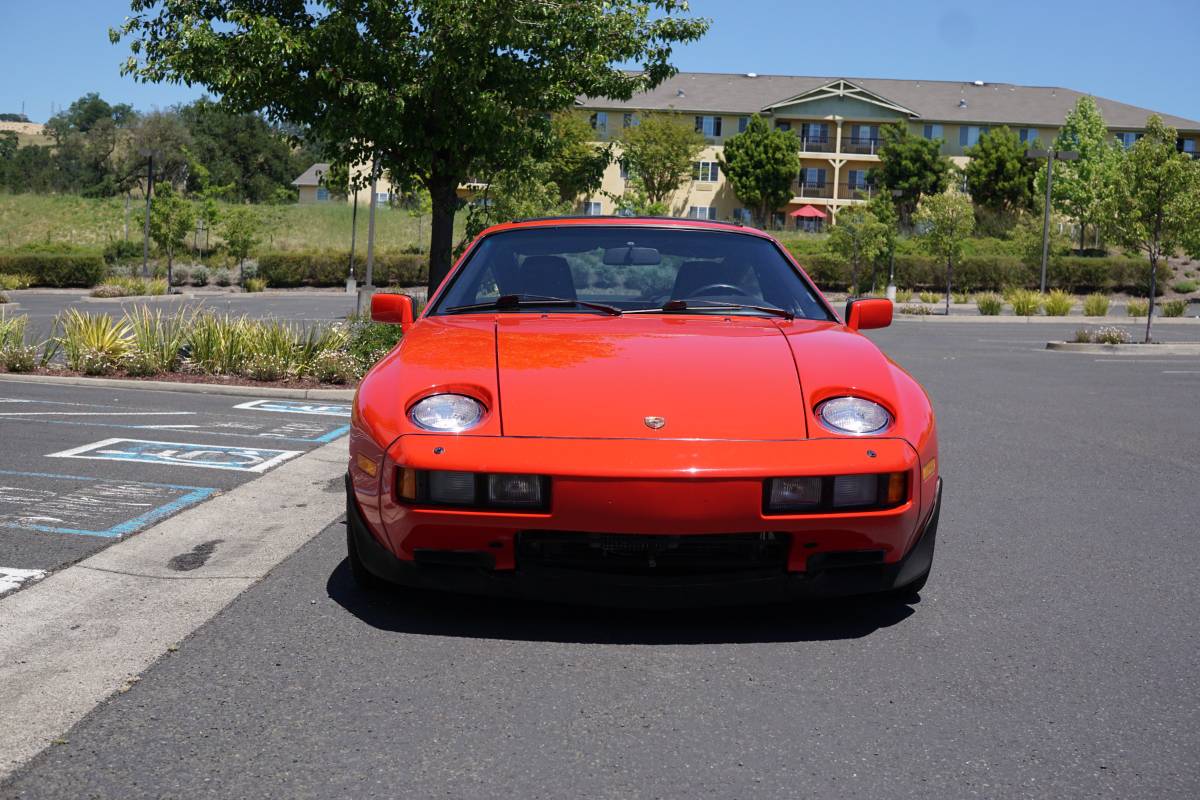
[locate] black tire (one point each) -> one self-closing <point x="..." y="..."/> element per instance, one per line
<point x="909" y="594"/>
<point x="366" y="580"/>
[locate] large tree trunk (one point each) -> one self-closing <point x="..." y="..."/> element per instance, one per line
<point x="443" y="194"/>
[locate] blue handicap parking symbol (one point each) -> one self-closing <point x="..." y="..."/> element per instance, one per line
<point x="298" y="407"/>
<point x="211" y="456"/>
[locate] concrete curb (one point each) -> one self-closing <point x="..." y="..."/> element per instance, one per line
<point x="138" y="298"/>
<point x="938" y="318"/>
<point x="187" y="388"/>
<point x="1177" y="349"/>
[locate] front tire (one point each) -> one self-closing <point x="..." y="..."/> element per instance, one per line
<point x="366" y="580"/>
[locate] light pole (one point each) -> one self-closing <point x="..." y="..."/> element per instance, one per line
<point x="146" y="229"/>
<point x="369" y="288"/>
<point x="891" y="287"/>
<point x="1051" y="156"/>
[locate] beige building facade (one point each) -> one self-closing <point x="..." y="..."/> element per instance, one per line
<point x="837" y="121"/>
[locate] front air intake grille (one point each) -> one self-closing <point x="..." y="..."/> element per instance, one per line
<point x="639" y="554"/>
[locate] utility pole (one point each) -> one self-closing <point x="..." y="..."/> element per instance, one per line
<point x="368" y="287"/>
<point x="146" y="231"/>
<point x="1051" y="156"/>
<point x="351" y="281"/>
<point x="891" y="287"/>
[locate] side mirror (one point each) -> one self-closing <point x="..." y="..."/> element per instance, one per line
<point x="863" y="315"/>
<point x="392" y="309"/>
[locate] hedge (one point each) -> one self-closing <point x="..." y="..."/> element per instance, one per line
<point x="1079" y="274"/>
<point x="331" y="268"/>
<point x="56" y="269"/>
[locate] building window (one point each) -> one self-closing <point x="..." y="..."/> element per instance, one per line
<point x="1188" y="146"/>
<point x="742" y="215"/>
<point x="1028" y="135"/>
<point x="599" y="122"/>
<point x="1127" y="138"/>
<point x="743" y="123"/>
<point x="933" y="131"/>
<point x="623" y="166"/>
<point x="630" y="120"/>
<point x="591" y="208"/>
<point x="322" y="194"/>
<point x="702" y="212"/>
<point x="812" y="176"/>
<point x="382" y="197"/>
<point x="706" y="171"/>
<point x="968" y="135"/>
<point x="857" y="179"/>
<point x="782" y="126"/>
<point x="864" y="134"/>
<point x="709" y="126"/>
<point x="815" y="132"/>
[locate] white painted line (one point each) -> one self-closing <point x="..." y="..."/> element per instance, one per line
<point x="97" y="413"/>
<point x="1181" y="372"/>
<point x="1136" y="360"/>
<point x="12" y="578"/>
<point x="297" y="407"/>
<point x="181" y="454"/>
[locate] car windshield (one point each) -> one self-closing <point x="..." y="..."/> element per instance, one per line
<point x="599" y="269"/>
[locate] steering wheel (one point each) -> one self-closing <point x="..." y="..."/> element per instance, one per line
<point x="703" y="290"/>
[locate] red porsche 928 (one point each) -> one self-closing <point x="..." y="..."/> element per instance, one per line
<point x="640" y="411"/>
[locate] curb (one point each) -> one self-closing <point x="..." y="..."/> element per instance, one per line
<point x="138" y="298"/>
<point x="939" y="318"/>
<point x="185" y="388"/>
<point x="1178" y="349"/>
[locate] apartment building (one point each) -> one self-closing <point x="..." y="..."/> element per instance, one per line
<point x="837" y="121"/>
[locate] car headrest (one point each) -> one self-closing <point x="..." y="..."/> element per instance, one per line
<point x="693" y="275"/>
<point x="549" y="276"/>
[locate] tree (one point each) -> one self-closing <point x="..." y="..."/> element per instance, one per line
<point x="1152" y="199"/>
<point x="241" y="228"/>
<point x="171" y="218"/>
<point x="441" y="90"/>
<point x="634" y="202"/>
<point x="163" y="134"/>
<point x="1080" y="186"/>
<point x="912" y="165"/>
<point x="576" y="164"/>
<point x="999" y="176"/>
<point x="944" y="221"/>
<point x="859" y="238"/>
<point x="761" y="163"/>
<point x="660" y="150"/>
<point x="884" y="210"/>
<point x="86" y="138"/>
<point x="520" y="193"/>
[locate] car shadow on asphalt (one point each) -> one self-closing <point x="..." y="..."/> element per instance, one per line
<point x="444" y="614"/>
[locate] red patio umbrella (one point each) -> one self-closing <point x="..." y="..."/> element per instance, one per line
<point x="808" y="212"/>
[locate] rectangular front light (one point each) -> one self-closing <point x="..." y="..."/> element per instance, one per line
<point x="855" y="490"/>
<point x="794" y="493"/>
<point x="452" y="488"/>
<point x="515" y="490"/>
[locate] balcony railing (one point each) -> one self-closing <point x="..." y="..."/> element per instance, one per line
<point x="817" y="145"/>
<point x="856" y="191"/>
<point x="812" y="190"/>
<point x="861" y="145"/>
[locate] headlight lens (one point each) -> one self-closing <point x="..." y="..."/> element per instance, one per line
<point x="447" y="413"/>
<point x="853" y="415"/>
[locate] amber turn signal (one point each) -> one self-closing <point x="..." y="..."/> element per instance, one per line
<point x="896" y="489"/>
<point x="367" y="465"/>
<point x="406" y="483"/>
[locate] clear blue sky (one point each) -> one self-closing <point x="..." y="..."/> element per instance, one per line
<point x="1144" y="52"/>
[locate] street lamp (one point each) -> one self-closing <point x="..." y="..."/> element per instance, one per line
<point x="1051" y="156"/>
<point x="891" y="287"/>
<point x="149" y="154"/>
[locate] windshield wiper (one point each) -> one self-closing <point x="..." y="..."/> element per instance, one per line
<point x="517" y="300"/>
<point x="707" y="305"/>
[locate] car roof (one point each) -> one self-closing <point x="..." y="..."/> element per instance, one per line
<point x="617" y="222"/>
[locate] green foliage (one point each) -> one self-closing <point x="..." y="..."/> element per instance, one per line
<point x="17" y="280"/>
<point x="761" y="163"/>
<point x="1137" y="308"/>
<point x="1025" y="303"/>
<point x="255" y="285"/>
<point x="370" y="341"/>
<point x="1081" y="187"/>
<point x="171" y="219"/>
<point x="92" y="343"/>
<point x="1110" y="334"/>
<point x="516" y="194"/>
<point x="999" y="177"/>
<point x="858" y="237"/>
<point x="80" y="269"/>
<point x="157" y="340"/>
<point x="660" y="151"/>
<point x="574" y="163"/>
<point x="634" y="200"/>
<point x="904" y="295"/>
<point x="1095" y="305"/>
<point x="917" y="310"/>
<point x="945" y="221"/>
<point x="1174" y="308"/>
<point x="911" y="164"/>
<point x="129" y="286"/>
<point x="1183" y="287"/>
<point x="331" y="268"/>
<point x="989" y="304"/>
<point x="930" y="298"/>
<point x="1058" y="303"/>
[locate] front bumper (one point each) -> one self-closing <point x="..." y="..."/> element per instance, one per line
<point x="476" y="572"/>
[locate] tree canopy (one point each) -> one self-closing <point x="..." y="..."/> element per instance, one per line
<point x="859" y="237"/>
<point x="999" y="176"/>
<point x="1080" y="187"/>
<point x="441" y="90"/>
<point x="761" y="164"/>
<point x="944" y="222"/>
<point x="911" y="165"/>
<point x="659" y="151"/>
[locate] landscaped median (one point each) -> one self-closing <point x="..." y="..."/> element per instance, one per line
<point x="197" y="346"/>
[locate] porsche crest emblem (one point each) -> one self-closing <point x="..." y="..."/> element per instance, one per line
<point x="655" y="422"/>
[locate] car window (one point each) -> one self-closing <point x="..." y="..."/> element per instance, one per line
<point x="631" y="268"/>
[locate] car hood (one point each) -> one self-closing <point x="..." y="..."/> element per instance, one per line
<point x="610" y="377"/>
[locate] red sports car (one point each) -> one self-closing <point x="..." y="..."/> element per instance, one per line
<point x="633" y="411"/>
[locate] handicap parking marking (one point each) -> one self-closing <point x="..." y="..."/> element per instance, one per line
<point x="315" y="432"/>
<point x="89" y="506"/>
<point x="208" y="456"/>
<point x="12" y="578"/>
<point x="297" y="407"/>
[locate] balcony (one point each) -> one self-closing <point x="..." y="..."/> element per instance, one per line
<point x="812" y="190"/>
<point x="856" y="191"/>
<point x="861" y="145"/>
<point x="816" y="145"/>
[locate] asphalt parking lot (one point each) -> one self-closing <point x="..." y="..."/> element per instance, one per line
<point x="81" y="467"/>
<point x="1053" y="653"/>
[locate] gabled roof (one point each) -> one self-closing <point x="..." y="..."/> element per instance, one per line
<point x="312" y="175"/>
<point x="841" y="88"/>
<point x="934" y="101"/>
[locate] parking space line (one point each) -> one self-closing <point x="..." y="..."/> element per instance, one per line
<point x="182" y="454"/>
<point x="97" y="413"/>
<point x="297" y="407"/>
<point x="13" y="578"/>
<point x="321" y="439"/>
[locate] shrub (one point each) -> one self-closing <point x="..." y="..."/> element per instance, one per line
<point x="157" y="340"/>
<point x="80" y="269"/>
<point x="265" y="366"/>
<point x="255" y="285"/>
<point x="1111" y="334"/>
<point x="1183" y="287"/>
<point x="989" y="304"/>
<point x="1174" y="308"/>
<point x="121" y="251"/>
<point x="217" y="344"/>
<point x="370" y="341"/>
<point x="92" y="341"/>
<point x="1082" y="336"/>
<point x="222" y="278"/>
<point x="915" y="309"/>
<point x="199" y="276"/>
<point x="158" y="286"/>
<point x="1058" y="303"/>
<point x="335" y="366"/>
<point x="108" y="290"/>
<point x="15" y="281"/>
<point x="331" y="268"/>
<point x="18" y="358"/>
<point x="961" y="298"/>
<point x="1095" y="305"/>
<point x="930" y="297"/>
<point x="1025" y="302"/>
<point x="3" y="298"/>
<point x="180" y="276"/>
<point x="904" y="295"/>
<point x="1137" y="308"/>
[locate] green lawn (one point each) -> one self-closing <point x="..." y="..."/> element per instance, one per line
<point x="78" y="221"/>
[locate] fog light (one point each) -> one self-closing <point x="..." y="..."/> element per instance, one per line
<point x="855" y="490"/>
<point x="452" y="488"/>
<point x="515" y="490"/>
<point x="794" y="493"/>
